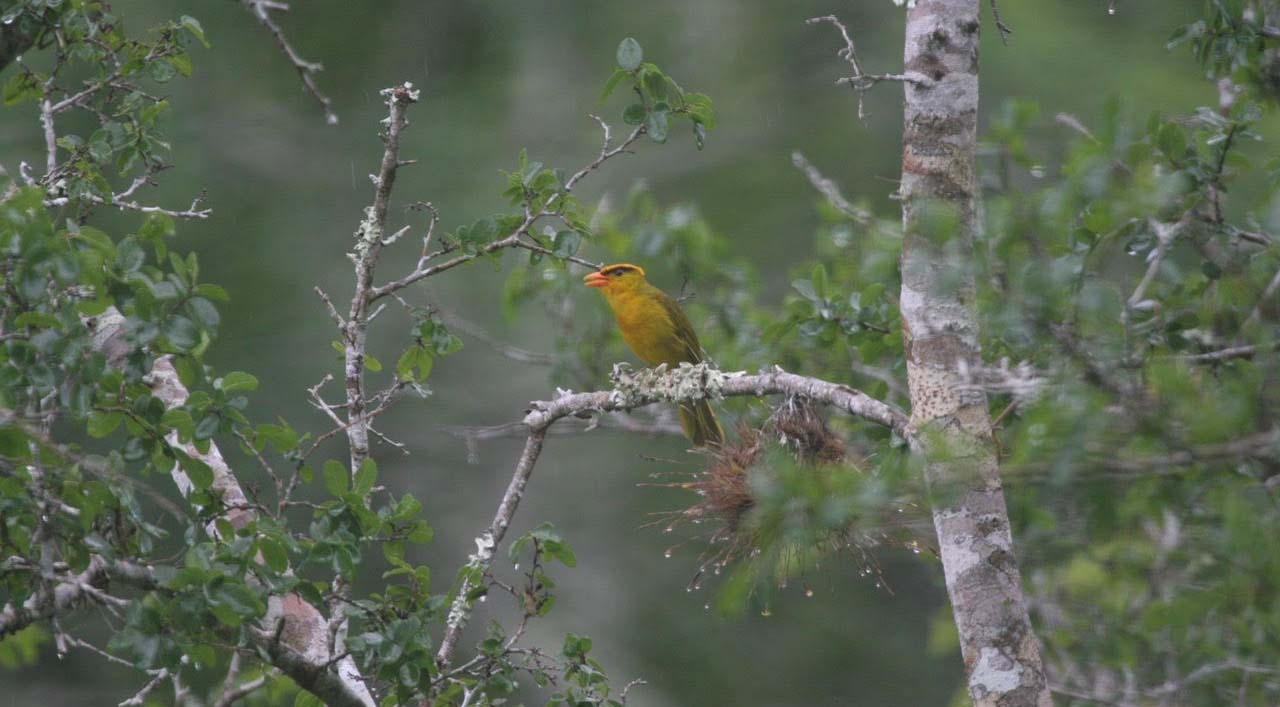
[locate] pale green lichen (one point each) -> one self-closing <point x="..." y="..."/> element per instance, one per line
<point x="688" y="381"/>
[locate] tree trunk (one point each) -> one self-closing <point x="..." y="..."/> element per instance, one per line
<point x="940" y="335"/>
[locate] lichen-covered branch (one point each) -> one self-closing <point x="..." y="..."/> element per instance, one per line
<point x="636" y="389"/>
<point x="940" y="335"/>
<point x="70" y="593"/>
<point x="369" y="241"/>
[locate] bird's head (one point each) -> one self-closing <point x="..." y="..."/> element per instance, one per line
<point x="613" y="279"/>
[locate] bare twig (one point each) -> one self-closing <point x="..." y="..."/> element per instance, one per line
<point x="830" y="190"/>
<point x="1227" y="354"/>
<point x="307" y="70"/>
<point x="476" y="331"/>
<point x="860" y="81"/>
<point x="1004" y="29"/>
<point x="139" y="699"/>
<point x="516" y="239"/>
<point x="192" y="212"/>
<point x="1165" y="234"/>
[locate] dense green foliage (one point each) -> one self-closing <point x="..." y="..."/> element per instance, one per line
<point x="1137" y="413"/>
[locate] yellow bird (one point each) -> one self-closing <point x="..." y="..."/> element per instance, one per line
<point x="658" y="331"/>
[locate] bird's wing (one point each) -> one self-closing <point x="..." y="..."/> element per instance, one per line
<point x="683" y="327"/>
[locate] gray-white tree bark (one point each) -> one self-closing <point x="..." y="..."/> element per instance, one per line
<point x="940" y="333"/>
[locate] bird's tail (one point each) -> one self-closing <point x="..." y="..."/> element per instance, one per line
<point x="700" y="424"/>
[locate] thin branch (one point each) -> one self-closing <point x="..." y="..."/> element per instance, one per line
<point x="192" y="212"/>
<point x="1227" y="354"/>
<point x="829" y="189"/>
<point x="1004" y="29"/>
<point x="368" y="246"/>
<point x="516" y="238"/>
<point x="635" y="390"/>
<point x="307" y="70"/>
<point x="514" y="353"/>
<point x="139" y="699"/>
<point x="240" y="691"/>
<point x="860" y="81"/>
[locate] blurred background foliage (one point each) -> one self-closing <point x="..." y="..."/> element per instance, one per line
<point x="741" y="225"/>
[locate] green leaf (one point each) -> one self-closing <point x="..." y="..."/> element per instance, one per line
<point x="207" y="427"/>
<point x="192" y="25"/>
<point x="421" y="533"/>
<point x="366" y="476"/>
<point x="102" y="424"/>
<point x="200" y="474"/>
<point x="630" y="54"/>
<point x="335" y="478"/>
<point x="564" y="244"/>
<point x="1172" y="141"/>
<point x="282" y="437"/>
<point x="406" y="509"/>
<point x="655" y="84"/>
<point x="612" y="83"/>
<point x="274" y="554"/>
<point x="819" y="276"/>
<point x="656" y="126"/>
<point x="20" y="87"/>
<point x="634" y="114"/>
<point x="129" y="255"/>
<point x="238" y="380"/>
<point x="700" y="110"/>
<point x="204" y="312"/>
<point x="182" y="333"/>
<point x="213" y="292"/>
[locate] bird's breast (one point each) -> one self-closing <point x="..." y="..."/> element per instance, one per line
<point x="650" y="334"/>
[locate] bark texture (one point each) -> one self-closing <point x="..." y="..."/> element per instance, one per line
<point x="951" y="425"/>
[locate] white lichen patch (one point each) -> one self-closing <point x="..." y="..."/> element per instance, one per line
<point x="995" y="673"/>
<point x="688" y="381"/>
<point x="960" y="556"/>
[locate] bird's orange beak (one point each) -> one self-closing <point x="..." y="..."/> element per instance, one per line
<point x="595" y="279"/>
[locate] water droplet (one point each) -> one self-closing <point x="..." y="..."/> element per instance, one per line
<point x="1111" y="10"/>
<point x="667" y="553"/>
<point x="668" y="529"/>
<point x="808" y="591"/>
<point x="483" y="597"/>
<point x="517" y="567"/>
<point x="706" y="607"/>
<point x="765" y="612"/>
<point x="782" y="584"/>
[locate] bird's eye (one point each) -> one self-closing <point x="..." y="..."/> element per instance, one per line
<point x="617" y="271"/>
